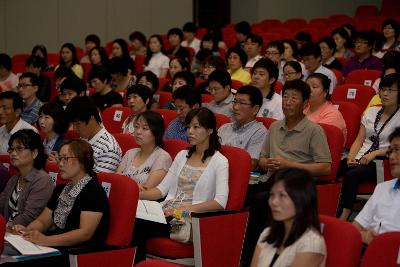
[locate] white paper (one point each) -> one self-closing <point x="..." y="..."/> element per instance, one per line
<point x="150" y="211"/>
<point x="25" y="247"/>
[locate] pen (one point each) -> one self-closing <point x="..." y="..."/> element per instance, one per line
<point x="379" y="227"/>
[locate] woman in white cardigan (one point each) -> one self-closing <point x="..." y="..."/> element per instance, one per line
<point x="196" y="182"/>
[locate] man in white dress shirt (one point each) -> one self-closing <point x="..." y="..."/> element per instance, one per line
<point x="252" y="47"/>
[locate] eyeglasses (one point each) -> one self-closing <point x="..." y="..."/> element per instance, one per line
<point x="235" y="102"/>
<point x="64" y="159"/>
<point x="290" y="74"/>
<point x="360" y="42"/>
<point x="17" y="149"/>
<point x="394" y="149"/>
<point x="268" y="53"/>
<point x="24" y="85"/>
<point x="387" y="89"/>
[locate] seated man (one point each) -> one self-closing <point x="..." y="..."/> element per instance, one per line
<point x="35" y="64"/>
<point x="82" y="113"/>
<point x="27" y="88"/>
<point x="274" y="52"/>
<point x="105" y="96"/>
<point x="312" y="59"/>
<point x="363" y="58"/>
<point x="11" y="105"/>
<point x="245" y="132"/>
<point x="220" y="88"/>
<point x="185" y="98"/>
<point x="189" y="33"/>
<point x="242" y="29"/>
<point x="72" y="87"/>
<point x="382" y="213"/>
<point x="252" y="47"/>
<point x="264" y="76"/>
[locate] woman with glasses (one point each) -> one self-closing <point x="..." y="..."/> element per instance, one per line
<point x="371" y="142"/>
<point x="26" y="193"/>
<point x="196" y="182"/>
<point x="292" y="71"/>
<point x="78" y="212"/>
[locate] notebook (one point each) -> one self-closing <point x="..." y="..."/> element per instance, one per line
<point x="150" y="211"/>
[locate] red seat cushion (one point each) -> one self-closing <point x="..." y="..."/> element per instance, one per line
<point x="156" y="246"/>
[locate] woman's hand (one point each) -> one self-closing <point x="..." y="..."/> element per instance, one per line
<point x="142" y="188"/>
<point x="169" y="212"/>
<point x="367" y="158"/>
<point x="36" y="237"/>
<point x="352" y="162"/>
<point x="53" y="156"/>
<point x="19" y="229"/>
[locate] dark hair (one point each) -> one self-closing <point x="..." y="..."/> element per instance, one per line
<point x="209" y="37"/>
<point x="101" y="73"/>
<point x="105" y="61"/>
<point x="138" y="36"/>
<point x="82" y="108"/>
<point x="239" y="51"/>
<point x="149" y="53"/>
<point x="35" y="61"/>
<point x="5" y="61"/>
<point x="254" y="94"/>
<point x="278" y="45"/>
<point x="310" y="49"/>
<point x="31" y="140"/>
<point x="255" y="38"/>
<point x="395" y="25"/>
<point x="206" y="119"/>
<point x="184" y="64"/>
<point x="345" y="35"/>
<point x="391" y="57"/>
<point x="18" y="102"/>
<point x="329" y="42"/>
<point x="141" y="90"/>
<point x="93" y="38"/>
<point x="300" y="187"/>
<point x="189" y="27"/>
<point x="187" y="93"/>
<point x="366" y="36"/>
<point x="303" y="36"/>
<point x="83" y="151"/>
<point x="151" y="78"/>
<point x="62" y="72"/>
<point x="293" y="45"/>
<point x="389" y="80"/>
<point x="57" y="112"/>
<point x="295" y="65"/>
<point x="185" y="75"/>
<point x="217" y="62"/>
<point x="124" y="47"/>
<point x="43" y="50"/>
<point x="33" y="78"/>
<point x="221" y="76"/>
<point x="156" y="125"/>
<point x="119" y="65"/>
<point x="243" y="27"/>
<point x="299" y="86"/>
<point x="394" y="134"/>
<point x="72" y="48"/>
<point x="175" y="31"/>
<point x="351" y="28"/>
<point x="325" y="81"/>
<point x="73" y="83"/>
<point x="269" y="66"/>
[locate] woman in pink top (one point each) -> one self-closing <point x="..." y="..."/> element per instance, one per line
<point x="320" y="109"/>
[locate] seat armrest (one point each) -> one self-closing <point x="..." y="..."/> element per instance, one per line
<point x="213" y="213"/>
<point x="121" y="257"/>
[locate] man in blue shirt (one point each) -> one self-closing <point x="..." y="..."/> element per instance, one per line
<point x="185" y="98"/>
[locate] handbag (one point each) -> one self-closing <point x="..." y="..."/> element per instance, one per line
<point x="181" y="230"/>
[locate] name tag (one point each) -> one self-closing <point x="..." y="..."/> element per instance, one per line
<point x="118" y="115"/>
<point x="368" y="82"/>
<point x="53" y="176"/>
<point x="351" y="93"/>
<point x="107" y="188"/>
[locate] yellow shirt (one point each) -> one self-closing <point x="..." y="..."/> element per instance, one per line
<point x="241" y="75"/>
<point x="375" y="101"/>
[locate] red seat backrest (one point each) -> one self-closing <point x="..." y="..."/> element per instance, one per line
<point x="125" y="141"/>
<point x="384" y="250"/>
<point x="168" y="115"/>
<point x="114" y="117"/>
<point x="2" y="232"/>
<point x="139" y="63"/>
<point x="363" y="77"/>
<point x="163" y="98"/>
<point x="156" y="263"/>
<point x="236" y="84"/>
<point x="53" y="170"/>
<point x="205" y="98"/>
<point x="352" y="116"/>
<point x="266" y="121"/>
<point x="221" y="119"/>
<point x="174" y="146"/>
<point x="354" y="93"/>
<point x="71" y="134"/>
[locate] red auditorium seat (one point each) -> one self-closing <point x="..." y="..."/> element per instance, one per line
<point x="174" y="146"/>
<point x="168" y="115"/>
<point x="365" y="10"/>
<point x="352" y="116"/>
<point x="139" y="63"/>
<point x="353" y="93"/>
<point x="266" y="121"/>
<point x="2" y="232"/>
<point x="271" y="23"/>
<point x="125" y="141"/>
<point x="221" y="119"/>
<point x="163" y="98"/>
<point x="364" y="77"/>
<point x="339" y="76"/>
<point x="20" y="58"/>
<point x="295" y="24"/>
<point x="114" y="117"/>
<point x="384" y="250"/>
<point x="157" y="263"/>
<point x="205" y="98"/>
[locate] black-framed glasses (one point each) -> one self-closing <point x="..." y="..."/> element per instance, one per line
<point x="64" y="158"/>
<point x="387" y="89"/>
<point x="17" y="149"/>
<point x="288" y="74"/>
<point x="24" y="85"/>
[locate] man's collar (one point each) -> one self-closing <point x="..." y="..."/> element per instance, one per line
<point x="397" y="184"/>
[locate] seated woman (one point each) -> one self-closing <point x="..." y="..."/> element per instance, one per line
<point x="78" y="212"/>
<point x="52" y="122"/>
<point x="208" y="65"/>
<point x="320" y="109"/>
<point x="138" y="44"/>
<point x="139" y="100"/>
<point x="149" y="163"/>
<point x="69" y="59"/>
<point x="343" y="43"/>
<point x="41" y="51"/>
<point x="156" y="60"/>
<point x="236" y="58"/>
<point x="120" y="74"/>
<point x="293" y="237"/>
<point x="196" y="182"/>
<point x="372" y="141"/>
<point x="26" y="193"/>
<point x="292" y="71"/>
<point x="120" y="49"/>
<point x="98" y="57"/>
<point x="328" y="47"/>
<point x="176" y="65"/>
<point x="180" y="79"/>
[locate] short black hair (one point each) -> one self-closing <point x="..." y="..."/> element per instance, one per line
<point x="255" y="38"/>
<point x="216" y="62"/>
<point x="303" y="36"/>
<point x="220" y="76"/>
<point x="35" y="61"/>
<point x="189" y="27"/>
<point x="175" y="31"/>
<point x="156" y="125"/>
<point x="82" y="108"/>
<point x="151" y="78"/>
<point x="5" y="61"/>
<point x="138" y="36"/>
<point x="189" y="94"/>
<point x="33" y="78"/>
<point x="101" y="73"/>
<point x="311" y="49"/>
<point x="293" y="45"/>
<point x="389" y="80"/>
<point x="270" y="66"/>
<point x="119" y="65"/>
<point x="299" y="86"/>
<point x="394" y="134"/>
<point x="254" y="94"/>
<point x="243" y="27"/>
<point x="141" y="90"/>
<point x="239" y="51"/>
<point x="295" y="65"/>
<point x="56" y="111"/>
<point x="93" y="38"/>
<point x="30" y="140"/>
<point x="186" y="76"/>
<point x="73" y="83"/>
<point x="62" y="72"/>
<point x="329" y="42"/>
<point x="366" y="36"/>
<point x="395" y="25"/>
<point x="18" y="102"/>
<point x="278" y="45"/>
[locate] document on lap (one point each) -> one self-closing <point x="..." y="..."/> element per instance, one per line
<point x="150" y="211"/>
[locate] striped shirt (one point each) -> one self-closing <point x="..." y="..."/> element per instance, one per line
<point x="107" y="153"/>
<point x="13" y="203"/>
<point x="31" y="113"/>
<point x="176" y="130"/>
